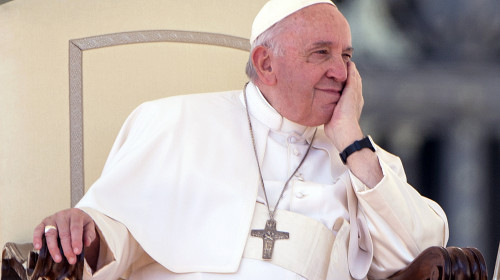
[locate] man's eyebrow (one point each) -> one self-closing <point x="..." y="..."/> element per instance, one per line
<point x="329" y="43"/>
<point x="322" y="43"/>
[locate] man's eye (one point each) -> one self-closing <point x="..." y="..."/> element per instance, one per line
<point x="347" y="56"/>
<point x="322" y="52"/>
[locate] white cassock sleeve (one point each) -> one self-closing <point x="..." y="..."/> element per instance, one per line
<point x="401" y="222"/>
<point x="117" y="252"/>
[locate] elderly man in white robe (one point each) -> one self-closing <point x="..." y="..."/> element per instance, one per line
<point x="274" y="181"/>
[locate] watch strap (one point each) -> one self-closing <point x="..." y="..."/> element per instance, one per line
<point x="356" y="146"/>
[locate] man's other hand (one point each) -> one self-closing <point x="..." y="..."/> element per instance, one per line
<point x="74" y="227"/>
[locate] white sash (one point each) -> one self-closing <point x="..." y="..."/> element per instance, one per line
<point x="312" y="251"/>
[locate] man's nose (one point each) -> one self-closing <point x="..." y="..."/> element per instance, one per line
<point x="337" y="69"/>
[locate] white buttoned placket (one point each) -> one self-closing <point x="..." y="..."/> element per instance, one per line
<point x="312" y="185"/>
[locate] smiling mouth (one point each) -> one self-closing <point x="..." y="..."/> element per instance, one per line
<point x="332" y="95"/>
<point x="337" y="91"/>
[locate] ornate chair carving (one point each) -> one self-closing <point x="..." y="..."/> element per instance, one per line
<point x="435" y="263"/>
<point x="21" y="262"/>
<point x="438" y="263"/>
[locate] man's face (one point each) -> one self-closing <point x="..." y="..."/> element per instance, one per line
<point x="312" y="72"/>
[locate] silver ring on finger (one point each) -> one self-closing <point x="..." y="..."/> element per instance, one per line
<point x="49" y="228"/>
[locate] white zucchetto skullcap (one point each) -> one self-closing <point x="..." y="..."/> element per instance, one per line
<point x="276" y="10"/>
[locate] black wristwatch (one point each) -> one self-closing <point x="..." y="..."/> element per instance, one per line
<point x="356" y="146"/>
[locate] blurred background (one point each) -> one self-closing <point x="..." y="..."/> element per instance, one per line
<point x="431" y="82"/>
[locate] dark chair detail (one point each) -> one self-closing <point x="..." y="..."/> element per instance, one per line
<point x="439" y="263"/>
<point x="20" y="262"/>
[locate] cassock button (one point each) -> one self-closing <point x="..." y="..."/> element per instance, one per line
<point x="296" y="152"/>
<point x="299" y="177"/>
<point x="299" y="195"/>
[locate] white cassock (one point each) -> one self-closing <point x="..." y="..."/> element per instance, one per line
<point x="180" y="193"/>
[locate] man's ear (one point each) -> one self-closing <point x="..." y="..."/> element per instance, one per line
<point x="261" y="57"/>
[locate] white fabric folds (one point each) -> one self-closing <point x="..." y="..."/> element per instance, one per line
<point x="181" y="178"/>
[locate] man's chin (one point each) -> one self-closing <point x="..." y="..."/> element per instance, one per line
<point x="320" y="118"/>
<point x="324" y="120"/>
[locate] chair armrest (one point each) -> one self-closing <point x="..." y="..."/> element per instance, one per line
<point x="445" y="264"/>
<point x="15" y="260"/>
<point x="21" y="261"/>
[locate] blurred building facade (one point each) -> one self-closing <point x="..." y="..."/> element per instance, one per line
<point x="430" y="78"/>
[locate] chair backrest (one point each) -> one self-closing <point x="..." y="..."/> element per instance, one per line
<point x="71" y="72"/>
<point x="128" y="83"/>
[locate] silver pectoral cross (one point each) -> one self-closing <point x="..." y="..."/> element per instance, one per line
<point x="269" y="234"/>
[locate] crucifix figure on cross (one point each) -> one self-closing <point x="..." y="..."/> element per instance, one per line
<point x="269" y="234"/>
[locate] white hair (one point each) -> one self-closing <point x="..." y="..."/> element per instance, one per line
<point x="268" y="39"/>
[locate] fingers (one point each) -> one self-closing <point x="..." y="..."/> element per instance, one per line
<point x="75" y="242"/>
<point x="352" y="69"/>
<point x="73" y="226"/>
<point x="351" y="101"/>
<point x="37" y="236"/>
<point x="83" y="232"/>
<point x="354" y="88"/>
<point x="353" y="78"/>
<point x="343" y="128"/>
<point x="89" y="233"/>
<point x="64" y="221"/>
<point x="51" y="239"/>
